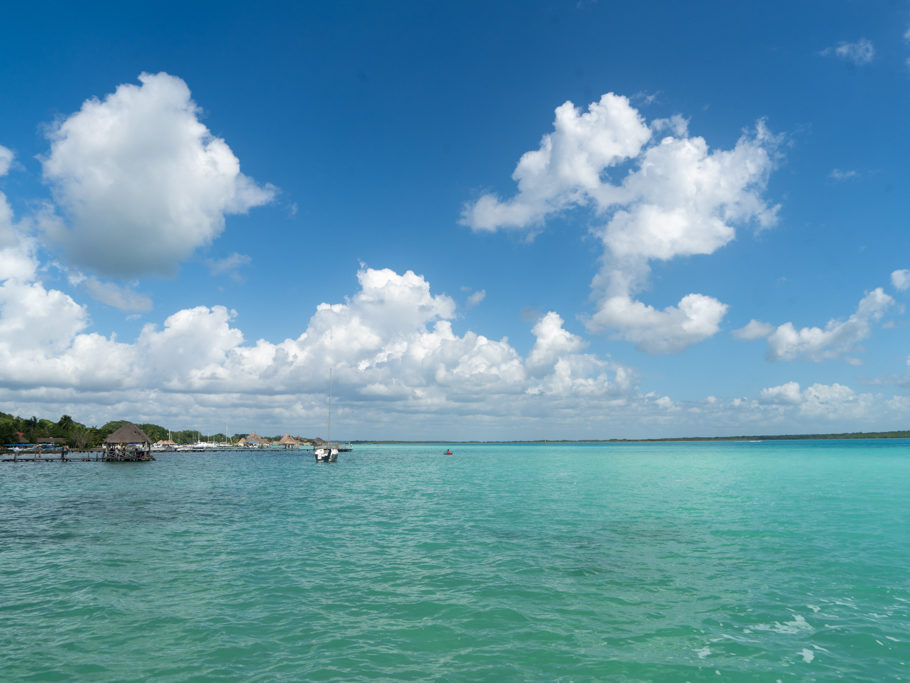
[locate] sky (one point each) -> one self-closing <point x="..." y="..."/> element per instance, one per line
<point x="465" y="220"/>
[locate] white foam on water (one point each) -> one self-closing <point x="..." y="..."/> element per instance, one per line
<point x="734" y="638"/>
<point x="814" y="608"/>
<point x="704" y="652"/>
<point x="807" y="654"/>
<point x="892" y="638"/>
<point x="797" y="624"/>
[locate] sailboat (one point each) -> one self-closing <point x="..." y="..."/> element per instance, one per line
<point x="329" y="451"/>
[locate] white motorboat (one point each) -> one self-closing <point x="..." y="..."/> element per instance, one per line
<point x="326" y="453"/>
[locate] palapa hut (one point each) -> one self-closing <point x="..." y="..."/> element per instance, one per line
<point x="254" y="440"/>
<point x="127" y="444"/>
<point x="288" y="441"/>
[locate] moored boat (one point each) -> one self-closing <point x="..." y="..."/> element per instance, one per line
<point x="327" y="453"/>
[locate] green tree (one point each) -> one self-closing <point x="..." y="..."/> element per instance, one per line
<point x="154" y="432"/>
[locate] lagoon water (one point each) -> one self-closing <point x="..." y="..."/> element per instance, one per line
<point x="671" y="561"/>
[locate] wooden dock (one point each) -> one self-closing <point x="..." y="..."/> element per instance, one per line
<point x="78" y="456"/>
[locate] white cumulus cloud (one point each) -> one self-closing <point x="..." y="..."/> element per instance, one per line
<point x="838" y="337"/>
<point x="901" y="280"/>
<point x="7" y="234"/>
<point x="671" y="330"/>
<point x="392" y="342"/>
<point x="660" y="198"/>
<point x="785" y="393"/>
<point x="553" y="341"/>
<point x="6" y="160"/>
<point x="567" y="167"/>
<point x="141" y="180"/>
<point x="755" y="329"/>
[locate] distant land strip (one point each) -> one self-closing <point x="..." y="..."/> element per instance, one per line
<point x="763" y="437"/>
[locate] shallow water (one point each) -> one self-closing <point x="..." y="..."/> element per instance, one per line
<point x="674" y="561"/>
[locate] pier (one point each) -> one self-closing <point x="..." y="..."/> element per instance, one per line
<point x="51" y="456"/>
<point x="127" y="444"/>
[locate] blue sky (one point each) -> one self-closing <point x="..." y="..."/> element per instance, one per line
<point x="517" y="220"/>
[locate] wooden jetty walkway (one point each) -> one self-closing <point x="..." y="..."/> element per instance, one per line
<point x="126" y="444"/>
<point x="49" y="456"/>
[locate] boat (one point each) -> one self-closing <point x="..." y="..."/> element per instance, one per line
<point x="448" y="452"/>
<point x="326" y="453"/>
<point x="329" y="451"/>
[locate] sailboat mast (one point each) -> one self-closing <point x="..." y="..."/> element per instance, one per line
<point x="331" y="386"/>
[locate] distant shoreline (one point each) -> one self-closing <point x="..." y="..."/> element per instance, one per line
<point x="760" y="437"/>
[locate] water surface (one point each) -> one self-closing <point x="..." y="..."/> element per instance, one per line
<point x="674" y="561"/>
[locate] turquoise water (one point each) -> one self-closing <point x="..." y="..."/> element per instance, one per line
<point x="685" y="561"/>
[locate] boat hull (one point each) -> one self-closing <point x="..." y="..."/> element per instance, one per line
<point x="326" y="454"/>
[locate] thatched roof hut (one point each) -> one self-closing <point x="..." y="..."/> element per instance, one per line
<point x="128" y="433"/>
<point x="254" y="439"/>
<point x="288" y="441"/>
<point x="165" y="442"/>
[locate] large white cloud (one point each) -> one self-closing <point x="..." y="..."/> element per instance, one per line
<point x="141" y="180"/>
<point x="660" y="196"/>
<point x="401" y="371"/>
<point x="684" y="200"/>
<point x="567" y="167"/>
<point x="391" y="343"/>
<point x="42" y="338"/>
<point x="827" y="401"/>
<point x="838" y="337"/>
<point x="668" y="331"/>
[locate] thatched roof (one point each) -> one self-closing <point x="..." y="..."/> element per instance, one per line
<point x="288" y="440"/>
<point x="253" y="438"/>
<point x="242" y="442"/>
<point x="128" y="433"/>
<point x="165" y="442"/>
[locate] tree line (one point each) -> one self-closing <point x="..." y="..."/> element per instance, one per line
<point x="14" y="429"/>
